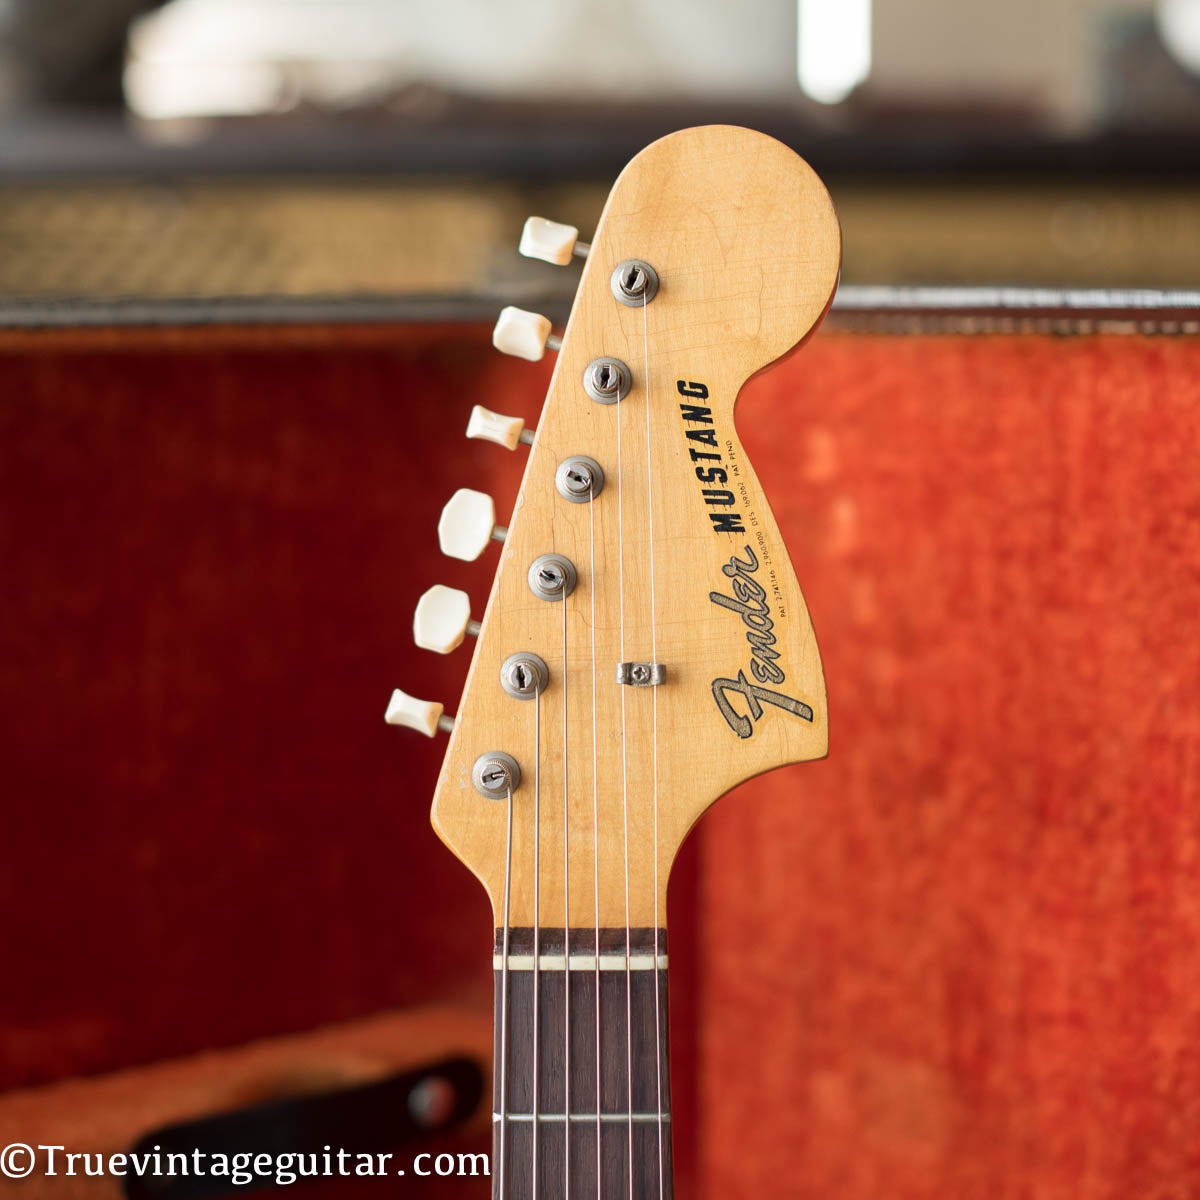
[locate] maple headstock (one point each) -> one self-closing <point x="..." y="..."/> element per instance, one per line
<point x="678" y="560"/>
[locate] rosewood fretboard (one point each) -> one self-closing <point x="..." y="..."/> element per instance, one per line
<point x="621" y="1114"/>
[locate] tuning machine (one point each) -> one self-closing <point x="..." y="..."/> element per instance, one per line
<point x="467" y="524"/>
<point x="425" y="716"/>
<point x="496" y="427"/>
<point x="524" y="334"/>
<point x="551" y="242"/>
<point x="442" y="619"/>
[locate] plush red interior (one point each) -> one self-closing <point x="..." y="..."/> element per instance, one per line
<point x="960" y="957"/>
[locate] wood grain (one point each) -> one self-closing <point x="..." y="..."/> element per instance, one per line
<point x="746" y="243"/>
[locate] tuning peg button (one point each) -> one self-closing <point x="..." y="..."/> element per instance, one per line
<point x="443" y="619"/>
<point x="467" y="524"/>
<point x="524" y="334"/>
<point x="425" y="716"/>
<point x="551" y="242"/>
<point x="496" y="427"/>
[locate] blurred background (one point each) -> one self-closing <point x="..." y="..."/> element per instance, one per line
<point x="384" y="152"/>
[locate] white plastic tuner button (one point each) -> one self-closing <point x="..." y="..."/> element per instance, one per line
<point x="425" y="716"/>
<point x="443" y="619"/>
<point x="522" y="333"/>
<point x="467" y="523"/>
<point x="496" y="427"/>
<point x="550" y="241"/>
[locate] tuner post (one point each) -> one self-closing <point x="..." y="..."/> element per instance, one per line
<point x="634" y="283"/>
<point x="496" y="774"/>
<point x="607" y="380"/>
<point x="524" y="675"/>
<point x="552" y="577"/>
<point x="579" y="479"/>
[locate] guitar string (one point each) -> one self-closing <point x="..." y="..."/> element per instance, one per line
<point x="504" y="994"/>
<point x="537" y="919"/>
<point x="566" y="928"/>
<point x="625" y="801"/>
<point x="596" y="895"/>
<point x="595" y="815"/>
<point x="654" y="703"/>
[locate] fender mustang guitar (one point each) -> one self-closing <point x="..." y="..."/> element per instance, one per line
<point x="645" y="647"/>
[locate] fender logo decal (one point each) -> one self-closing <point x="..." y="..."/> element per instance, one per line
<point x="749" y="601"/>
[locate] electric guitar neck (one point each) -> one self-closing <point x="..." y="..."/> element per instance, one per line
<point x="645" y="647"/>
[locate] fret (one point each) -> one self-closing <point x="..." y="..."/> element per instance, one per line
<point x="614" y="1162"/>
<point x="641" y="940"/>
<point x="613" y="1116"/>
<point x="582" y="962"/>
<point x="567" y="1097"/>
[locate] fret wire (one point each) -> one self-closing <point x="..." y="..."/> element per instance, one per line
<point x="582" y="962"/>
<point x="581" y="1117"/>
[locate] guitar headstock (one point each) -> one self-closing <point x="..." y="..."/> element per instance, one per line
<point x="717" y="253"/>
